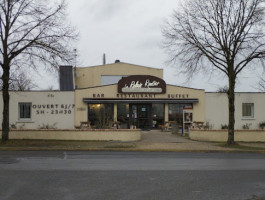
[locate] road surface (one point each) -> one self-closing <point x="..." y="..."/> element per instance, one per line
<point x="131" y="175"/>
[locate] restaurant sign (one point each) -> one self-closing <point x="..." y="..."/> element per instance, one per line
<point x="142" y="84"/>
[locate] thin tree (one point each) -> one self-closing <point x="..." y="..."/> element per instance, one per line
<point x="226" y="35"/>
<point x="262" y="84"/>
<point x="224" y="90"/>
<point x="19" y="81"/>
<point x="32" y="32"/>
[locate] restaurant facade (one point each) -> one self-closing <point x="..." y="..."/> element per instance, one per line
<point x="127" y="96"/>
<point x="134" y="96"/>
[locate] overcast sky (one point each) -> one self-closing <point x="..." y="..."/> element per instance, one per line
<point x="130" y="30"/>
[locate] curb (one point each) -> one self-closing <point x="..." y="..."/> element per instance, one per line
<point x="129" y="150"/>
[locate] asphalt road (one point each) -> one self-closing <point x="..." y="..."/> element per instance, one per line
<point x="131" y="175"/>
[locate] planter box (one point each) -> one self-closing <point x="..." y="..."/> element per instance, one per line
<point x="93" y="135"/>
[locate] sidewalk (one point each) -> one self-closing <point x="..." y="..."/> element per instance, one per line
<point x="153" y="140"/>
<point x="166" y="141"/>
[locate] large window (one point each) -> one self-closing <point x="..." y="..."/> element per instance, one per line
<point x="100" y="115"/>
<point x="123" y="115"/>
<point x="110" y="79"/>
<point x="248" y="110"/>
<point x="175" y="112"/>
<point x="24" y="110"/>
<point x="158" y="113"/>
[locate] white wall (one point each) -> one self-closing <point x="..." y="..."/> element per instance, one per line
<point x="217" y="109"/>
<point x="222" y="135"/>
<point x="53" y="108"/>
<point x="57" y="108"/>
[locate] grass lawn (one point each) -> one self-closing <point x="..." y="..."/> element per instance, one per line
<point x="242" y="146"/>
<point x="50" y="144"/>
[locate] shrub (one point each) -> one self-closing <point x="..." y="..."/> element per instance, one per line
<point x="13" y="126"/>
<point x="48" y="126"/>
<point x="207" y="126"/>
<point x="246" y="126"/>
<point x="224" y="126"/>
<point x="262" y="125"/>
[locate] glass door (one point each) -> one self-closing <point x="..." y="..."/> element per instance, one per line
<point x="141" y="115"/>
<point x="133" y="115"/>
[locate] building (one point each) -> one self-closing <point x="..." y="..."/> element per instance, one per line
<point x="134" y="96"/>
<point x="41" y="109"/>
<point x="249" y="109"/>
<point x="130" y="96"/>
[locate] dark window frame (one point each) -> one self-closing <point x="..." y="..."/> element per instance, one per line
<point x="245" y="110"/>
<point x="24" y="110"/>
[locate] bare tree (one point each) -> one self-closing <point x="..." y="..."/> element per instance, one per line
<point x="50" y="88"/>
<point x="22" y="82"/>
<point x="226" y="35"/>
<point x="19" y="81"/>
<point x="31" y="32"/>
<point x="224" y="89"/>
<point x="262" y="84"/>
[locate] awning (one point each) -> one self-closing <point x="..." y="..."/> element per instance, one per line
<point x="102" y="101"/>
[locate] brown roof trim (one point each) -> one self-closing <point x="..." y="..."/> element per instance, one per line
<point x="116" y="100"/>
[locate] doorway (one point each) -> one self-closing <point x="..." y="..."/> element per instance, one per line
<point x="141" y="115"/>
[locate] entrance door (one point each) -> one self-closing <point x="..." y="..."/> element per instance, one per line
<point x="141" y="115"/>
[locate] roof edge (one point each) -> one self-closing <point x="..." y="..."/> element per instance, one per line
<point x="236" y="92"/>
<point x="119" y="63"/>
<point x="185" y="87"/>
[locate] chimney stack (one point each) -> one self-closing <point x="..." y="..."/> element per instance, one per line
<point x="66" y="78"/>
<point x="104" y="59"/>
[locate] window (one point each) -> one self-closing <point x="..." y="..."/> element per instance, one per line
<point x="175" y="112"/>
<point x="158" y="112"/>
<point x="24" y="110"/>
<point x="109" y="79"/>
<point x="123" y="115"/>
<point x="100" y="114"/>
<point x="248" y="110"/>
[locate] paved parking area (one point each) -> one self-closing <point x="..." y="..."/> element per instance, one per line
<point x="166" y="141"/>
<point x="157" y="136"/>
<point x="156" y="140"/>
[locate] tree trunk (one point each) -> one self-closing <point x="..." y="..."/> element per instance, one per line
<point x="231" y="104"/>
<point x="5" y="94"/>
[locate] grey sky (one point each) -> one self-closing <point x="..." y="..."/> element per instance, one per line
<point x="130" y="30"/>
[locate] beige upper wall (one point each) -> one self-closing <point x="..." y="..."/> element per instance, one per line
<point x="111" y="91"/>
<point x="91" y="76"/>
